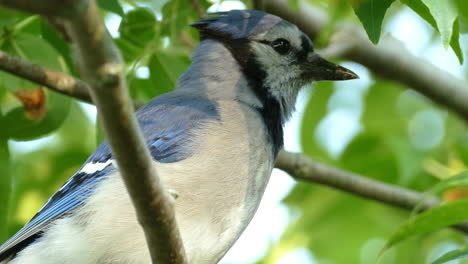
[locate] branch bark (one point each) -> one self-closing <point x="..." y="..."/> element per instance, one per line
<point x="389" y="59"/>
<point x="303" y="168"/>
<point x="54" y="80"/>
<point x="100" y="63"/>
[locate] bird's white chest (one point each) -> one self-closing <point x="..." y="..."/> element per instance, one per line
<point x="221" y="186"/>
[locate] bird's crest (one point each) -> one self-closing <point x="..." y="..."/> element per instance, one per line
<point x="235" y="24"/>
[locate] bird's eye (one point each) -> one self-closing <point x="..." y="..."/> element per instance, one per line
<point x="281" y="45"/>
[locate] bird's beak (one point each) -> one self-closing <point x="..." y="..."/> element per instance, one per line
<point x="319" y="69"/>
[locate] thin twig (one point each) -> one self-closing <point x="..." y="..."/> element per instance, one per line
<point x="54" y="80"/>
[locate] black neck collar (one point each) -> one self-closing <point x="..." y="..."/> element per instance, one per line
<point x="270" y="111"/>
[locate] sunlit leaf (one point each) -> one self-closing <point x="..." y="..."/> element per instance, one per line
<point x="371" y="13"/>
<point x="452" y="255"/>
<point x="111" y="5"/>
<point x="452" y="182"/>
<point x="443" y="18"/>
<point x="444" y="13"/>
<point x="436" y="218"/>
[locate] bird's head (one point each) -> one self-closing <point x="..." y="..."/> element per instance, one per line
<point x="274" y="54"/>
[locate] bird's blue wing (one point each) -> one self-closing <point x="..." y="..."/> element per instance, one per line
<point x="167" y="123"/>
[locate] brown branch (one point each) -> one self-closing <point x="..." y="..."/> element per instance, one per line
<point x="61" y="8"/>
<point x="389" y="59"/>
<point x="303" y="168"/>
<point x="101" y="66"/>
<point x="54" y="80"/>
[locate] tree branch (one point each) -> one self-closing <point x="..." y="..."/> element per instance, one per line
<point x="303" y="168"/>
<point x="389" y="59"/>
<point x="54" y="80"/>
<point x="101" y="66"/>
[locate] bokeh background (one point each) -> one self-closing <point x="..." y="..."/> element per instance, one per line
<point x="370" y="126"/>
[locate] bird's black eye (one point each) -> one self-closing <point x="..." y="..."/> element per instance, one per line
<point x="281" y="45"/>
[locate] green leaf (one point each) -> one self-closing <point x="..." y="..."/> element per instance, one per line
<point x="60" y="45"/>
<point x="436" y="218"/>
<point x="294" y="3"/>
<point x="165" y="70"/>
<point x="111" y="6"/>
<point x="38" y="51"/>
<point x="138" y="27"/>
<point x="100" y="134"/>
<point x="32" y="48"/>
<point x="423" y="11"/>
<point x="458" y="180"/>
<point x="21" y="128"/>
<point x="6" y="183"/>
<point x="130" y="52"/>
<point x="462" y="7"/>
<point x="452" y="255"/>
<point x="371" y="13"/>
<point x="382" y="100"/>
<point x="445" y="14"/>
<point x="143" y="90"/>
<point x="176" y="16"/>
<point x="463" y="14"/>
<point x="455" y="41"/>
<point x="9" y="16"/>
<point x="315" y="111"/>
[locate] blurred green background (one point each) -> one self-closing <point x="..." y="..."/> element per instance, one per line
<point x="373" y="127"/>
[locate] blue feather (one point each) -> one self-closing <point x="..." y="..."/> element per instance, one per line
<point x="236" y="24"/>
<point x="167" y="122"/>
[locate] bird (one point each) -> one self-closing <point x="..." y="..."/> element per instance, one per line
<point x="214" y="141"/>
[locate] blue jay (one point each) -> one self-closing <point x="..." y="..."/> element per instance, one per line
<point x="214" y="141"/>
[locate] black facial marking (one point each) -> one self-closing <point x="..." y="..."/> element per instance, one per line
<point x="271" y="110"/>
<point x="306" y="47"/>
